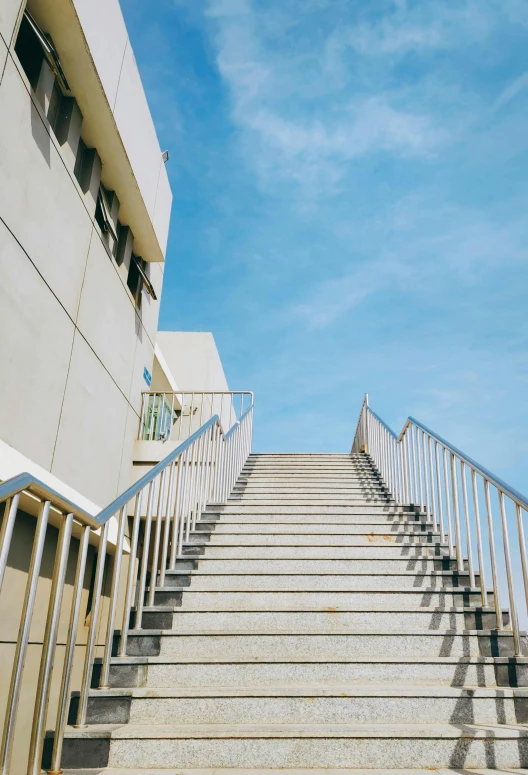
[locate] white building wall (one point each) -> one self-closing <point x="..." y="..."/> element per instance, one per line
<point x="73" y="345"/>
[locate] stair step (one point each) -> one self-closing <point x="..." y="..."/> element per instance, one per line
<point x="332" y="642"/>
<point x="329" y="619"/>
<point x="330" y="567"/>
<point x="308" y="705"/>
<point x="250" y="550"/>
<point x="308" y="581"/>
<point x="216" y="670"/>
<point x="300" y="601"/>
<point x="300" y="745"/>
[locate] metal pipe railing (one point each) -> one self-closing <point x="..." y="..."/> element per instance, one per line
<point x="168" y="501"/>
<point x="423" y="470"/>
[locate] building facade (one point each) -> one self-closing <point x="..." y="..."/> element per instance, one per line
<point x="84" y="215"/>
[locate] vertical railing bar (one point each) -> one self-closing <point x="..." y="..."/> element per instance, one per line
<point x="522" y="550"/>
<point x="478" y="531"/>
<point x="456" y="515"/>
<point x="434" y="510"/>
<point x="71" y="642"/>
<point x="140" y="596"/>
<point x="426" y="478"/>
<point x="6" y="532"/>
<point x="49" y="645"/>
<point x="157" y="536"/>
<point x="112" y="608"/>
<point x="439" y="493"/>
<point x="467" y="524"/>
<point x="491" y="540"/>
<point x="131" y="577"/>
<point x="166" y="526"/>
<point x="514" y="621"/>
<point x="23" y="638"/>
<point x="90" y="643"/>
<point x="447" y="503"/>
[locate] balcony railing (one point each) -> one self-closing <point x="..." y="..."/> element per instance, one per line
<point x="174" y="416"/>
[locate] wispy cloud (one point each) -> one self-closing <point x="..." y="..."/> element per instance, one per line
<point x="280" y="104"/>
<point x="512" y="90"/>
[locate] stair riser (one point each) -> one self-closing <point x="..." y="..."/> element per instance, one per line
<point x="303" y="710"/>
<point x="321" y="647"/>
<point x="291" y="674"/>
<point x="306" y="752"/>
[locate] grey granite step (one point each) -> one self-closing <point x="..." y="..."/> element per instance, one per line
<point x="300" y="745"/>
<point x="316" y="704"/>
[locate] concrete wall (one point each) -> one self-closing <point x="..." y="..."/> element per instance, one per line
<point x="193" y="359"/>
<point x="74" y="343"/>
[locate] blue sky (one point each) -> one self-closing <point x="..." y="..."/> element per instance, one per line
<point x="351" y="209"/>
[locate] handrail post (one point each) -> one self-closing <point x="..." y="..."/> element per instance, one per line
<point x="23" y="638"/>
<point x="509" y="578"/>
<point x="49" y="644"/>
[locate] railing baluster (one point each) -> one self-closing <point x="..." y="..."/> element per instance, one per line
<point x="447" y="503"/>
<point x="92" y="632"/>
<point x="49" y="644"/>
<point x="456" y="515"/>
<point x="514" y="622"/>
<point x="491" y="540"/>
<point x="6" y="533"/>
<point x="467" y="524"/>
<point x="64" y="692"/>
<point x="114" y="588"/>
<point x="522" y="550"/>
<point x="131" y="577"/>
<point x="478" y="532"/>
<point x="23" y="638"/>
<point x="140" y="595"/>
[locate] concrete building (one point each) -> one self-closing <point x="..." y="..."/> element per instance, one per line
<point x="85" y="206"/>
<point x="84" y="215"/>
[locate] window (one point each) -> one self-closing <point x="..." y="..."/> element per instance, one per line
<point x="103" y="217"/>
<point x="33" y="37"/>
<point x="138" y="279"/>
<point x="29" y="51"/>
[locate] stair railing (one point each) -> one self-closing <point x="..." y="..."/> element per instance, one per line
<point x="168" y="500"/>
<point x="422" y="469"/>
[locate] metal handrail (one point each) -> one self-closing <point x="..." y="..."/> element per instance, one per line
<point x="514" y="494"/>
<point x="422" y="469"/>
<point x="168" y="501"/>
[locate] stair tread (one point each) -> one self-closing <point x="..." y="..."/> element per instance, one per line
<point x="348" y="730"/>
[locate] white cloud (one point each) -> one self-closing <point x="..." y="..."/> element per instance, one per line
<point x="290" y="130"/>
<point x="511" y="91"/>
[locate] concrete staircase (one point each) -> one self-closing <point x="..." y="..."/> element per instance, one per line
<point x="311" y="624"/>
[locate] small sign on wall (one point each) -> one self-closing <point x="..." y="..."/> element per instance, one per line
<point x="147" y="376"/>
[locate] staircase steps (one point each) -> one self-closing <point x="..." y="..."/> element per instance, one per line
<point x="311" y="624"/>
